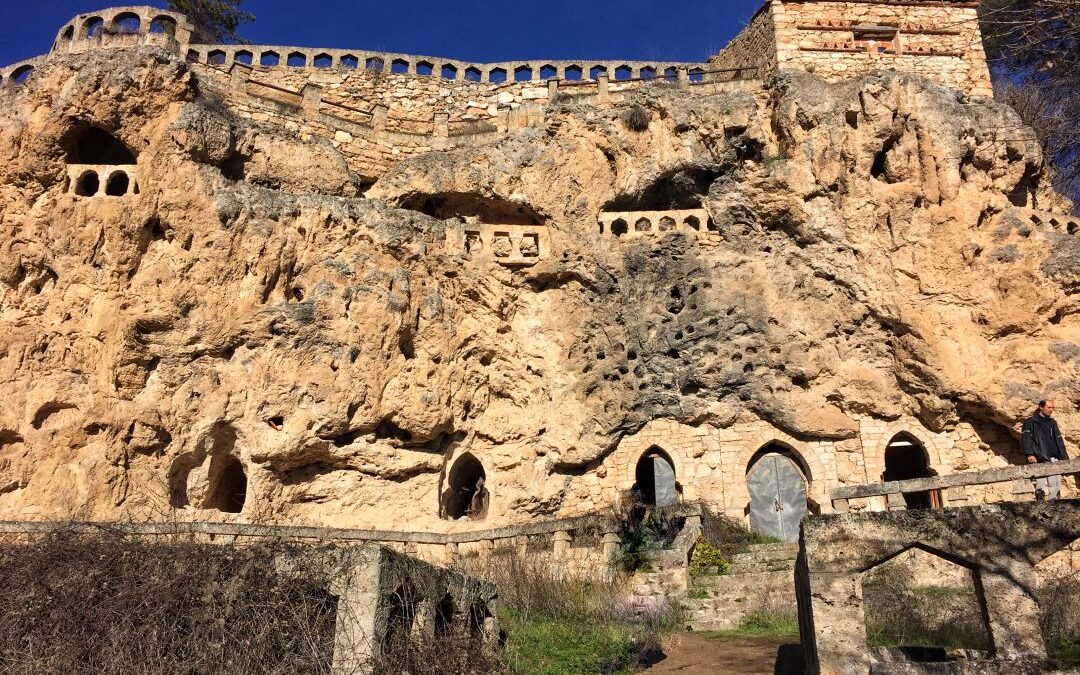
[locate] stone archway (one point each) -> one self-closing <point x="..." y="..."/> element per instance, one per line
<point x="906" y="458"/>
<point x="654" y="478"/>
<point x="778" y="482"/>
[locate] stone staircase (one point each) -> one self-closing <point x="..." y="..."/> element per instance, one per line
<point x="761" y="579"/>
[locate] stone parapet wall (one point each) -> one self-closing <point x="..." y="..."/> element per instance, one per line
<point x="753" y="47"/>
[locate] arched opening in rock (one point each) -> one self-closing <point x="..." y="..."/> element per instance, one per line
<point x="374" y="63"/>
<point x="93" y="27"/>
<point x="497" y="75"/>
<point x="493" y="210"/>
<point x="466" y="494"/>
<point x="681" y="188"/>
<point x="523" y="74"/>
<point x="216" y="57"/>
<point x="473" y="74"/>
<point x="918" y="605"/>
<point x="573" y="73"/>
<point x="906" y="459"/>
<point x="425" y="68"/>
<point x="654" y="479"/>
<point x="322" y="61"/>
<point x="243" y="56"/>
<point x="163" y="24"/>
<point x="444" y="616"/>
<point x="228" y="485"/>
<point x="401" y="612"/>
<point x="88" y="184"/>
<point x="478" y="616"/>
<point x="296" y="60"/>
<point x="619" y="227"/>
<point x="643" y="225"/>
<point x="69" y="33"/>
<point x="269" y="59"/>
<point x="127" y="22"/>
<point x="22" y="74"/>
<point x="86" y="144"/>
<point x="777" y="481"/>
<point x="349" y="61"/>
<point x="117" y="185"/>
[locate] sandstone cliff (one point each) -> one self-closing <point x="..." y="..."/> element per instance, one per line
<point x="252" y="301"/>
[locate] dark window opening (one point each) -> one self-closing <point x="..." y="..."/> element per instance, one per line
<point x="671" y="74"/>
<point x="473" y="74"/>
<point x="399" y="66"/>
<point x="697" y="75"/>
<point x="623" y="73"/>
<point x="69" y="33"/>
<point x="322" y="61"/>
<point x="228" y="488"/>
<point x="88" y="184"/>
<point x="117" y="185"/>
<point x="643" y="225"/>
<point x="296" y="60"/>
<point x="523" y="74"/>
<point x="466" y="494"/>
<point x="647" y="73"/>
<point x="425" y="68"/>
<point x="596" y="71"/>
<point x="448" y="72"/>
<point x="22" y="74"/>
<point x="906" y="459"/>
<point x="94" y="26"/>
<point x="444" y="616"/>
<point x="92" y="145"/>
<point x="619" y="227"/>
<point x="399" y="621"/>
<point x="216" y="58"/>
<point x="497" y="75"/>
<point x="547" y="72"/>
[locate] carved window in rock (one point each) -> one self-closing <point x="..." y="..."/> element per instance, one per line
<point x="349" y="61"/>
<point x="22" y="74"/>
<point x="93" y="145"/>
<point x="192" y="56"/>
<point x="523" y="74"/>
<point x="777" y="481"/>
<point x="654" y="479"/>
<point x="228" y="486"/>
<point x="596" y="71"/>
<point x="69" y="33"/>
<point x="322" y="61"/>
<point x="444" y="616"/>
<point x="624" y="72"/>
<point x="925" y="605"/>
<point x="619" y="227"/>
<point x="693" y="223"/>
<point x="466" y="494"/>
<point x="473" y="74"/>
<point x="643" y="225"/>
<point x="530" y="246"/>
<point x="374" y="63"/>
<point x="501" y="245"/>
<point x="497" y="75"/>
<point x="399" y="66"/>
<point x="667" y="223"/>
<point x="573" y="73"/>
<point x="474" y="244"/>
<point x="117" y="185"/>
<point x="164" y="25"/>
<point x="548" y="71"/>
<point x="448" y="71"/>
<point x="875" y="39"/>
<point x="212" y="477"/>
<point x="425" y="68"/>
<point x="94" y="27"/>
<point x="88" y="184"/>
<point x="907" y="459"/>
<point x="244" y="56"/>
<point x="216" y="57"/>
<point x="296" y="60"/>
<point x="126" y="23"/>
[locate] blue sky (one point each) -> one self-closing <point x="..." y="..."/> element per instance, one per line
<point x="471" y="30"/>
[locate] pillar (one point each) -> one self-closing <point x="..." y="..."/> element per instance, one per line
<point x="561" y="545"/>
<point x="1013" y="616"/>
<point x="832" y="604"/>
<point x="602" y="87"/>
<point x="895" y="502"/>
<point x="682" y="78"/>
<point x="553" y="89"/>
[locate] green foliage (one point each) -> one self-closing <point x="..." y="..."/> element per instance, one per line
<point x="763" y="624"/>
<point x="707" y="559"/>
<point x="564" y="646"/>
<point x="1059" y="618"/>
<point x="215" y="21"/>
<point x="698" y="594"/>
<point x="641" y="532"/>
<point x="1065" y="651"/>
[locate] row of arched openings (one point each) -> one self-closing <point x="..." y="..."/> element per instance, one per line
<point x="125" y="23"/>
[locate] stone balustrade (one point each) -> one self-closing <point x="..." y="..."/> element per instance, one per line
<point x="632" y="224"/>
<point x="509" y="245"/>
<point x="952" y="484"/>
<point x="102" y="180"/>
<point x="1057" y="221"/>
<point x="124" y="27"/>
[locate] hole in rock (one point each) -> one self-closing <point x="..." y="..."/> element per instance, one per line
<point x="117" y="185"/>
<point x="491" y="210"/>
<point x="466" y="494"/>
<point x="86" y="144"/>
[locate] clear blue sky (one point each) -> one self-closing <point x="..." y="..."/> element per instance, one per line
<point x="471" y="30"/>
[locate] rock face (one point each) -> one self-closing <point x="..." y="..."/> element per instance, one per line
<point x="251" y="332"/>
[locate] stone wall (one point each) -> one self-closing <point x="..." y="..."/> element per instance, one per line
<point x="753" y="47"/>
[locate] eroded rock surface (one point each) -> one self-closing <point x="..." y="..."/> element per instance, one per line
<point x="251" y="303"/>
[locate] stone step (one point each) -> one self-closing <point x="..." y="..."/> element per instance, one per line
<point x="742" y="568"/>
<point x="754" y="580"/>
<point x="765" y="553"/>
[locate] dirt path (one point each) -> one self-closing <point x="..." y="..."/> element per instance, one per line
<point x="703" y="654"/>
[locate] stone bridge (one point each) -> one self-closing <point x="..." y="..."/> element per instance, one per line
<point x="1000" y="544"/>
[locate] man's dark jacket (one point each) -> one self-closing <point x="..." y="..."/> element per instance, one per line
<point x="1042" y="438"/>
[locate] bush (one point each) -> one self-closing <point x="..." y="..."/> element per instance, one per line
<point x="707" y="559"/>
<point x="636" y="118"/>
<point x="1059" y="605"/>
<point x="642" y="531"/>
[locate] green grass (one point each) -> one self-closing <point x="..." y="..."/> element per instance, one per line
<point x="761" y="625"/>
<point x="1065" y="651"/>
<point x="563" y="646"/>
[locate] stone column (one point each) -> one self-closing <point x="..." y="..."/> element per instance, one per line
<point x="833" y="604"/>
<point x="602" y="87"/>
<point x="553" y="89"/>
<point x="561" y="543"/>
<point x="682" y="78"/>
<point x="895" y="502"/>
<point x="1013" y="616"/>
<point x="312" y="95"/>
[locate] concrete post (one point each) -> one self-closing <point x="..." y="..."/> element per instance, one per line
<point x="239" y="74"/>
<point x="378" y="116"/>
<point x="602" y="87"/>
<point x="442" y="131"/>
<point x="553" y="89"/>
<point x="312" y="95"/>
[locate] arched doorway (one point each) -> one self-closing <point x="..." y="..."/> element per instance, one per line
<point x="905" y="459"/>
<point x="466" y="494"/>
<point x="654" y="479"/>
<point x="777" y="484"/>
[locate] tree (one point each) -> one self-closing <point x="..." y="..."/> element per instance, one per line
<point x="215" y="21"/>
<point x="1034" y="50"/>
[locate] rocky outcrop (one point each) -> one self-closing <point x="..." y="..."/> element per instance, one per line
<point x="866" y="259"/>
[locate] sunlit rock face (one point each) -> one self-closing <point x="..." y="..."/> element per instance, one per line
<point x="243" y="323"/>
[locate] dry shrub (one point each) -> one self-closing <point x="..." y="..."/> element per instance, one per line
<point x="110" y="604"/>
<point x="1059" y="607"/>
<point x="636" y="118"/>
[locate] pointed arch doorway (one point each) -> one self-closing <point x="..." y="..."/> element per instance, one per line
<point x="777" y="485"/>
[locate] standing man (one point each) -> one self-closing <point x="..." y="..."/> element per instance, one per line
<point x="1042" y="442"/>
